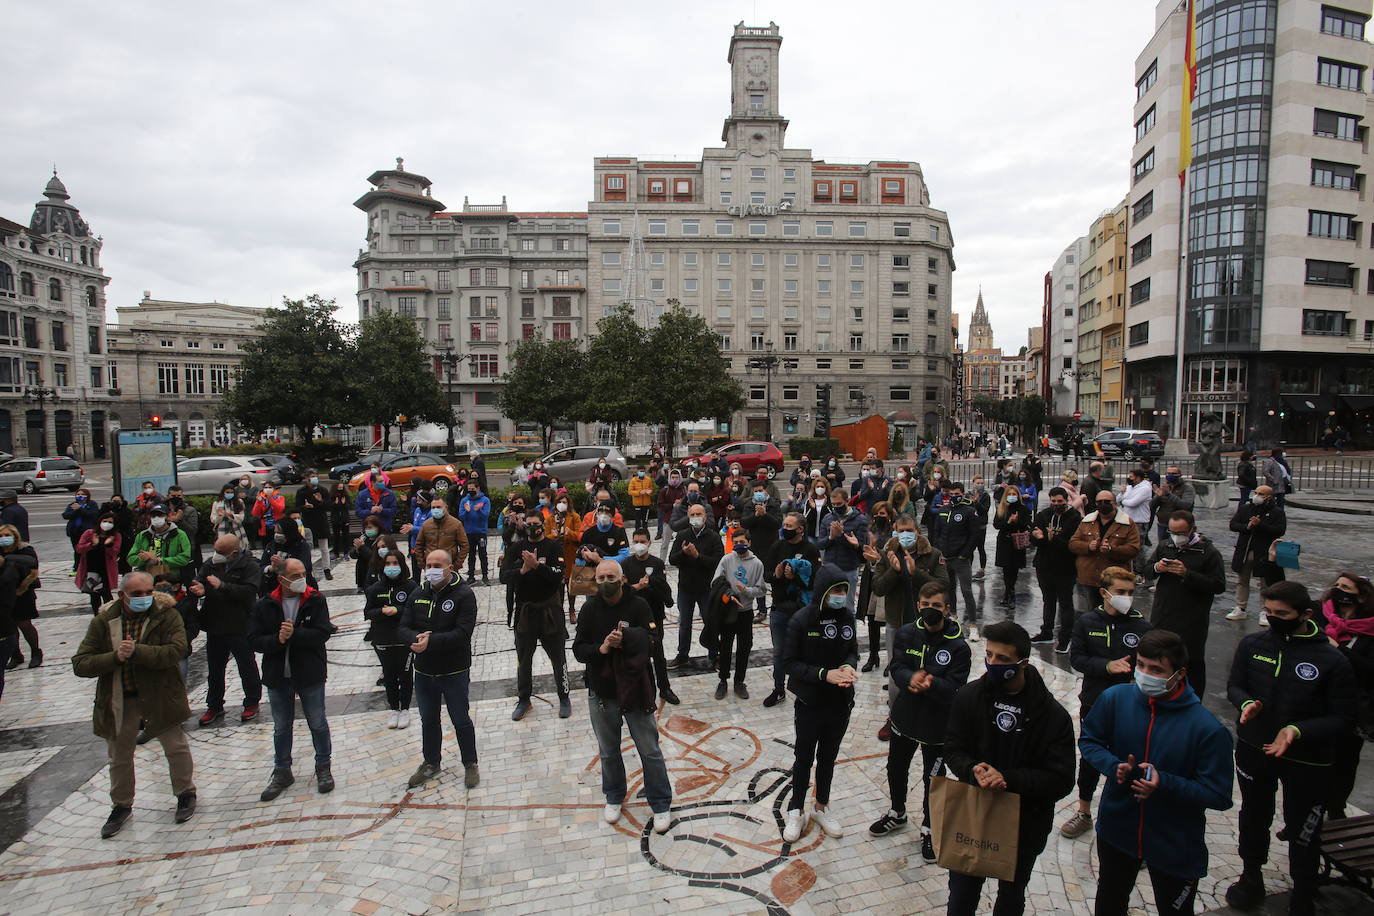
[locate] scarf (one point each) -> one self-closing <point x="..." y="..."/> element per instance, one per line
<point x="1342" y="630"/>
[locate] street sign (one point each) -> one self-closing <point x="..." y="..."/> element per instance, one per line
<point x="1078" y="414"/>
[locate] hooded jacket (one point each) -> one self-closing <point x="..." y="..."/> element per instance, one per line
<point x="1123" y="544"/>
<point x="1301" y="680"/>
<point x="1192" y="753"/>
<point x="172" y="547"/>
<point x="924" y="716"/>
<point x="449" y="614"/>
<point x="820" y="638"/>
<point x="901" y="589"/>
<point x="309" y="662"/>
<point x="1098" y="638"/>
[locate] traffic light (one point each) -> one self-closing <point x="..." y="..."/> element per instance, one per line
<point x="823" y="410"/>
<point x="155" y="421"/>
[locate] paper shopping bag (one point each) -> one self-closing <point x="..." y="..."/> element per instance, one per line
<point x="974" y="830"/>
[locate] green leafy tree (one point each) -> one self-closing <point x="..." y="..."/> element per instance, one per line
<point x="612" y="385"/>
<point x="685" y="373"/>
<point x="392" y="366"/>
<point x="542" y="384"/>
<point x="297" y="374"/>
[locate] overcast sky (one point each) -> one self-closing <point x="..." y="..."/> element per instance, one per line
<point x="218" y="151"/>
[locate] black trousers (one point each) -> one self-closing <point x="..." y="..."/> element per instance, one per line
<point x="218" y="648"/>
<point x="1305" y="792"/>
<point x="740" y="635"/>
<point x="641" y="517"/>
<point x="478" y="543"/>
<point x="398" y="678"/>
<point x="1343" y="770"/>
<point x="900" y="751"/>
<point x="1088" y="776"/>
<point x="1056" y="590"/>
<point x="1116" y="875"/>
<point x="965" y="891"/>
<point x="820" y="729"/>
<point x="875" y="638"/>
<point x="554" y="644"/>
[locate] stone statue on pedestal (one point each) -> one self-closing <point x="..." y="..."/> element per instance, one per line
<point x="1210" y="432"/>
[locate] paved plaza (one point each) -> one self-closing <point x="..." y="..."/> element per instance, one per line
<point x="530" y="838"/>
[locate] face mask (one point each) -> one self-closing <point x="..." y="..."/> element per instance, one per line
<point x="472" y="494"/>
<point x="148" y="491"/>
<point x="279" y="538"/>
<point x="435" y="576"/>
<point x="937" y="475"/>
<point x="1284" y="626"/>
<point x="1060" y="509"/>
<point x="931" y="617"/>
<point x="760" y="497"/>
<point x="603" y="522"/>
<point x="608" y="589"/>
<point x="539" y="467"/>
<point x="6" y="540"/>
<point x="835" y="602"/>
<point x="1012" y="498"/>
<point x="696" y="521"/>
<point x="790" y="533"/>
<point x="296" y="586"/>
<point x="1344" y="598"/>
<point x="865" y="473"/>
<point x="1172" y="478"/>
<point x="1107" y="510"/>
<point x="907" y="539"/>
<point x="383" y="551"/>
<point x="229" y="495"/>
<point x="391" y="572"/>
<point x="81" y="499"/>
<point x="543" y="500"/>
<point x="268" y="491"/>
<point x="978" y="485"/>
<point x="1152" y="685"/>
<point x="639" y="549"/>
<point x="715" y="480"/>
<point x="832" y="464"/>
<point x="1257" y="499"/>
<point x="314" y="481"/>
<point x="999" y="675"/>
<point x="219" y="558"/>
<point x="107" y="526"/>
<point x="674" y="481"/>
<point x="159" y="521"/>
<point x="639" y="473"/>
<point x="1180" y="539"/>
<point x="371" y="532"/>
<point x="244" y="483"/>
<point x="562" y="507"/>
<point x="436" y="513"/>
<point x="741" y="549"/>
<point x="139" y="604"/>
<point x="901" y="475"/>
<point x="1122" y="603"/>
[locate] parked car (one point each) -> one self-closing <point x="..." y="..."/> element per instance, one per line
<point x="288" y="467"/>
<point x="574" y="464"/>
<point x="34" y="474"/>
<point x="750" y="456"/>
<point x="363" y="462"/>
<point x="1129" y="443"/>
<point x="404" y="471"/>
<point x="201" y="476"/>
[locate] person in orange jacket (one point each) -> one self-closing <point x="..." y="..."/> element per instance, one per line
<point x="641" y="497"/>
<point x="268" y="509"/>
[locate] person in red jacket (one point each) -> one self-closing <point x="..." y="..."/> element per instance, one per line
<point x="268" y="509"/>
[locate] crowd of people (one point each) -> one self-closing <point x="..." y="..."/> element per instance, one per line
<point x="816" y="557"/>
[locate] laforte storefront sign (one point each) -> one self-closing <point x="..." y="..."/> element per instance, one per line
<point x="759" y="209"/>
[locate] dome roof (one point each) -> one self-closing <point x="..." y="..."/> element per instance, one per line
<point x="56" y="189"/>
<point x="54" y="215"/>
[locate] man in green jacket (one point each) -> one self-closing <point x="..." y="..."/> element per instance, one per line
<point x="162" y="543"/>
<point x="133" y="647"/>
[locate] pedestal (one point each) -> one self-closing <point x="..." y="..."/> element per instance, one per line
<point x="1211" y="494"/>
<point x="1176" y="447"/>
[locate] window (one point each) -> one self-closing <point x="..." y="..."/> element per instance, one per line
<point x="930" y="394"/>
<point x="1338" y="175"/>
<point x="613" y="187"/>
<point x="791" y="392"/>
<point x="901" y="230"/>
<point x="901" y="314"/>
<point x="789" y="287"/>
<point x="1142" y="250"/>
<point x="407" y="278"/>
<point x="724" y="285"/>
<point x="756" y="286"/>
<point x="658" y="227"/>
<point x="789" y="174"/>
<point x="901" y="262"/>
<point x="856" y="261"/>
<point x="691" y="227"/>
<point x="562" y="306"/>
<point x="445" y="332"/>
<point x="475" y="276"/>
<point x="610" y="284"/>
<point x="1140" y="292"/>
<point x="790" y="313"/>
<point x="483" y="365"/>
<point x="789" y="341"/>
<point x="195" y="378"/>
<point x="527" y="332"/>
<point x="727" y="174"/>
<point x="656" y="284"/>
<point x="791" y="227"/>
<point x="899" y="393"/>
<point x="822" y="262"/>
<point x="758" y="227"/>
<point x="825" y="228"/>
<point x="1143" y="166"/>
<point x="527" y="279"/>
<point x="822" y="287"/>
<point x="562" y="330"/>
<point x="930" y="343"/>
<point x="930" y="316"/>
<point x="657" y="187"/>
<point x="690" y="259"/>
<point x="167" y="380"/>
<point x="1140" y="334"/>
<point x="894" y="190"/>
<point x="901" y="288"/>
<point x="610" y="226"/>
<point x="726" y="197"/>
<point x="490" y="277"/>
<point x="823" y="313"/>
<point x="820" y="190"/>
<point x="1336" y="125"/>
<point x="756" y="340"/>
<point x="92" y="337"/>
<point x="525" y="245"/>
<point x="822" y="364"/>
<point x="410" y="246"/>
<point x="526" y="308"/>
<point x="1339" y="74"/>
<point x="932" y="291"/>
<point x="59" y="336"/>
<point x="849" y="191"/>
<point x="59" y="371"/>
<point x="932" y="365"/>
<point x="934" y="233"/>
<point x="1143" y="207"/>
<point x="1147" y="80"/>
<point x="758" y="174"/>
<point x="757" y="197"/>
<point x="1344" y="23"/>
<point x="31" y="332"/>
<point x="1323" y="225"/>
<point x="858" y="230"/>
<point x="724" y="341"/>
<point x="856" y="313"/>
<point x="1330" y="273"/>
<point x="96" y="376"/>
<point x="691" y="285"/>
<point x="114" y="376"/>
<point x="682" y="188"/>
<point x="1323" y="322"/>
<point x="757" y="392"/>
<point x="790" y="260"/>
<point x="475" y="331"/>
<point x="725" y="227"/>
<point x="405" y="305"/>
<point x="1144" y="125"/>
<point x="856" y="343"/>
<point x="901" y="343"/>
<point x="6" y="278"/>
<point x="219" y="344"/>
<point x="26" y="284"/>
<point x="92" y="300"/>
<point x="475" y="306"/>
<point x="55" y="290"/>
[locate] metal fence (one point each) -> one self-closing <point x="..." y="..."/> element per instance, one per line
<point x="1310" y="472"/>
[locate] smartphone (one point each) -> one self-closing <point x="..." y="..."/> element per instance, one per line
<point x="1144" y="771"/>
<point x="624" y="624"/>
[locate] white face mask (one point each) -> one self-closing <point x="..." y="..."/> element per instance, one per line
<point x="562" y="507"/>
<point x="696" y="521"/>
<point x="297" y="586"/>
<point x="435" y="576"/>
<point x="1122" y="603"/>
<point x="1180" y="539"/>
<point x="107" y="526"/>
<point x="639" y="549"/>
<point x="820" y="492"/>
<point x="159" y="521"/>
<point x="1257" y="499"/>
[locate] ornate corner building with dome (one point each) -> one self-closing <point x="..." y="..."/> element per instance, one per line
<point x="55" y="386"/>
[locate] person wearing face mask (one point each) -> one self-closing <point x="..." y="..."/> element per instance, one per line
<point x="930" y="663"/>
<point x="1007" y="733"/>
<point x="601" y="475"/>
<point x="133" y="648"/>
<point x="290" y="627"/>
<point x="1097" y="481"/>
<point x="1296" y="696"/>
<point x="375" y="497"/>
<point x="563" y="526"/>
<point x="80" y="516"/>
<point x="820" y="654"/>
<point x="124" y="525"/>
<point x="1277" y="475"/>
<point x="902" y="566"/>
<point x="474" y="510"/>
<point x="539" y="478"/>
<point x="641" y="490"/>
<point x="874" y="487"/>
<point x="182" y="513"/>
<point x="312" y="502"/>
<point x="340" y="510"/>
<point x="1055" y="568"/>
<point x="647" y="576"/>
<point x="228" y="585"/>
<point x="961" y="533"/>
<point x="289" y="541"/>
<point x="267" y="508"/>
<point x="1103" y="649"/>
<point x="1167" y="760"/>
<point x="227" y="513"/>
<point x="18" y="579"/>
<point x="791" y="589"/>
<point x="1171" y="494"/>
<point x="981" y="501"/>
<point x="761" y="517"/>
<point x="718" y="497"/>
<point x="1190" y="575"/>
<point x="603" y="537"/>
<point x="510" y="524"/>
<point x="602" y="500"/>
<point x="817" y="508"/>
<point x="832" y="472"/>
<point x="1104" y="538"/>
<point x="441" y="530"/>
<point x="1013" y="522"/>
<point x="695" y="496"/>
<point x="160" y="546"/>
<point x="97" y="567"/>
<point x="696" y="553"/>
<point x="802" y="472"/>
<point x="147" y="498"/>
<point x="671" y="491"/>
<point x="1135" y="500"/>
<point x="732" y="621"/>
<point x="845" y="534"/>
<point x="382" y="609"/>
<point x="1257" y="525"/>
<point x="1247" y="477"/>
<point x="533" y="566"/>
<point x="1348" y="621"/>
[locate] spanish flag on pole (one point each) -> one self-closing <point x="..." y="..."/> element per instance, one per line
<point x="1185" y="126"/>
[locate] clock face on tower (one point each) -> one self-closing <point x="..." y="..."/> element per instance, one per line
<point x="758" y="65"/>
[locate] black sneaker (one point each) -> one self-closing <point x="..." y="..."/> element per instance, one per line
<point x="927" y="848"/>
<point x="672" y="699"/>
<point x="721" y="690"/>
<point x="1062" y="647"/>
<point x="774" y="698"/>
<point x="424" y="774"/>
<point x="888" y="823"/>
<point x="324" y="780"/>
<point x="1247" y="893"/>
<point x="677" y="662"/>
<point x="186" y="806"/>
<point x="1042" y="638"/>
<point x="741" y="691"/>
<point x="115" y="822"/>
<point x="277" y="784"/>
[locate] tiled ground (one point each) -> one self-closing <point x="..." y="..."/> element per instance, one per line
<point x="528" y="840"/>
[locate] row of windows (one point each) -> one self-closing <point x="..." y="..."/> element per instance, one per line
<point x="1144" y="125"/>
<point x="856" y="393"/>
<point x="28" y="287"/>
<point x="1335" y="124"/>
<point x="1345" y="23"/>
<point x="1324" y="225"/>
<point x="1228" y="226"/>
<point x="24" y="331"/>
<point x="171" y="376"/>
<point x="758" y="259"/>
<point x="897" y="343"/>
<point x="1231" y="78"/>
<point x="1235" y="28"/>
<point x="1235" y="126"/>
<point x="724" y="227"/>
<point x="1339" y="74"/>
<point x="1236" y="274"/>
<point x="758" y="286"/>
<point x="1233" y="176"/>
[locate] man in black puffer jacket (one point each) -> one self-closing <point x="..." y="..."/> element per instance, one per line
<point x="1296" y="696"/>
<point x="1008" y="733"/>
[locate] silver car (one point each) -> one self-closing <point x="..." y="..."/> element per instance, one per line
<point x="210" y="475"/>
<point x="34" y="474"/>
<point x="574" y="464"/>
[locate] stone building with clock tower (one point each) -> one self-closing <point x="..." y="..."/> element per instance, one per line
<point x="842" y="270"/>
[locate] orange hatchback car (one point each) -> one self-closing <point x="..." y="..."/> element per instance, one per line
<point x="405" y="471"/>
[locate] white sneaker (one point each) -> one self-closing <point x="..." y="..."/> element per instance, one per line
<point x="403" y="719"/>
<point x="1264" y="620"/>
<point x="828" y="822"/>
<point x="1237" y="614"/>
<point x="794" y="826"/>
<point x="610" y="814"/>
<point x="972" y="634"/>
<point x="661" y="821"/>
<point x="392" y="718"/>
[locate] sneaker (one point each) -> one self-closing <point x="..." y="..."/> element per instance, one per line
<point x="774" y="698"/>
<point x="1245" y="894"/>
<point x="423" y="774"/>
<point x="794" y="826"/>
<point x="564" y="707"/>
<point x="971" y="633"/>
<point x="324" y="780"/>
<point x="403" y="719"/>
<point x="1237" y="614"/>
<point x="828" y="822"/>
<point x="1264" y="620"/>
<point x="486" y="581"/>
<point x="678" y="662"/>
<point x="209" y="716"/>
<point x="721" y="690"/>
<point x="522" y="707"/>
<point x="885" y="733"/>
<point x="470" y="775"/>
<point x="978" y="576"/>
<point x="672" y="699"/>
<point x="1076" y="826"/>
<point x="927" y="847"/>
<point x="327" y="574"/>
<point x="1061" y="647"/>
<point x="741" y="691"/>
<point x="143" y="737"/>
<point x="890" y="822"/>
<point x="1044" y="637"/>
<point x="277" y="784"/>
<point x="392" y="718"/>
<point x="610" y="814"/>
<point x="661" y="821"/>
<point x="115" y="822"/>
<point x="186" y="807"/>
<point x="249" y="713"/>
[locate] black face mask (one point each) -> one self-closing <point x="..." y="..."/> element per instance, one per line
<point x="1344" y="598"/>
<point x="931" y="617"/>
<point x="1284" y="626"/>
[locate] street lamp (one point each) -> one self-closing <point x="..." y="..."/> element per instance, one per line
<point x="451" y="361"/>
<point x="41" y="394"/>
<point x="768" y="364"/>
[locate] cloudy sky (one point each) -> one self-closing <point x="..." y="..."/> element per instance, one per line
<point x="218" y="151"/>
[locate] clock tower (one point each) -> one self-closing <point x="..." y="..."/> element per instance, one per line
<point x="754" y="120"/>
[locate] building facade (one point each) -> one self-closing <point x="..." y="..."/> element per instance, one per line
<point x="1033" y="360"/>
<point x="1101" y="309"/>
<point x="476" y="281"/>
<point x="982" y="359"/>
<point x="1059" y="319"/>
<point x="1278" y="318"/>
<point x="841" y="270"/>
<point x="54" y="388"/>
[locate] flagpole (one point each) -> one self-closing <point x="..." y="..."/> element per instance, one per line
<point x="1185" y="158"/>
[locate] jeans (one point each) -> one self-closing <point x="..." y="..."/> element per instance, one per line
<point x="777" y="629"/>
<point x="397" y="676"/>
<point x="1056" y="590"/>
<point x="606" y="719"/>
<point x="1088" y="777"/>
<point x="852" y="577"/>
<point x="452" y="690"/>
<point x="687" y="604"/>
<point x="641" y="518"/>
<point x="1116" y="876"/>
<point x="740" y="637"/>
<point x="1086" y="597"/>
<point x="1304" y="803"/>
<point x="961" y="579"/>
<point x="554" y="647"/>
<point x="218" y="648"/>
<point x="820" y="729"/>
<point x="283" y="701"/>
<point x="900" y="751"/>
<point x="1245" y="495"/>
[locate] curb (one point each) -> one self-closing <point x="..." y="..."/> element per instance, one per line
<point x="1327" y="507"/>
